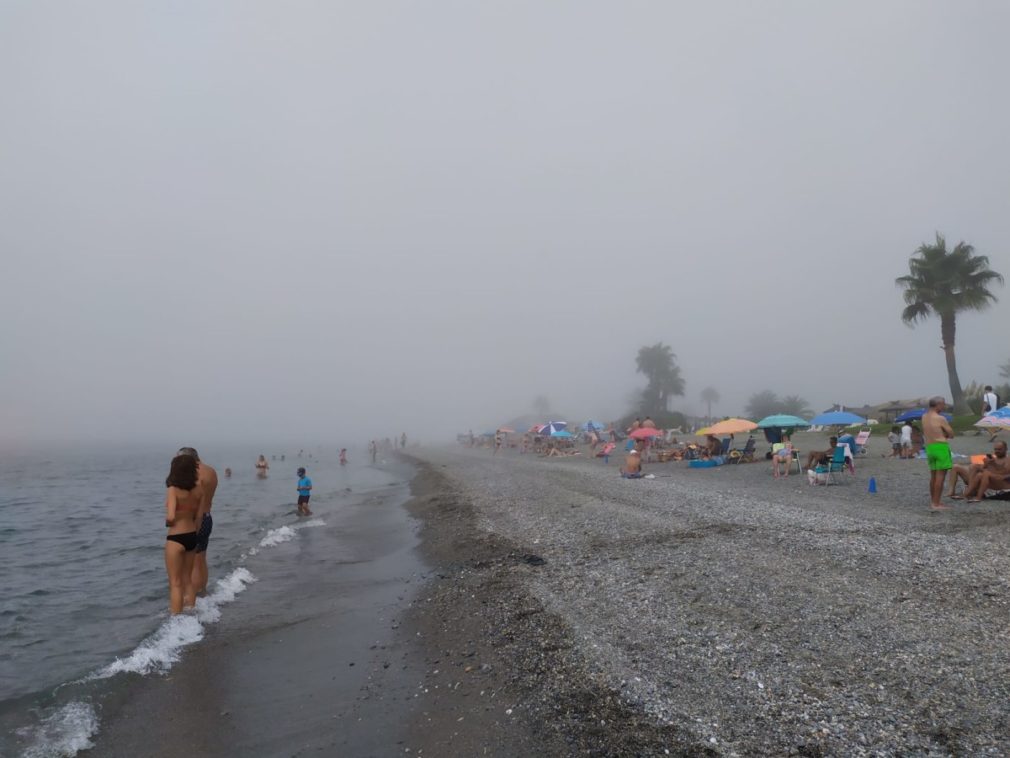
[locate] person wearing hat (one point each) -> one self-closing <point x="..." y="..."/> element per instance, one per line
<point x="304" y="491"/>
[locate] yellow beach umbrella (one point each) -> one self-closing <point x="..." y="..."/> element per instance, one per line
<point x="729" y="426"/>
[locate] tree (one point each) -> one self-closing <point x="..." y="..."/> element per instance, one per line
<point x="762" y="404"/>
<point x="663" y="374"/>
<point x="943" y="284"/>
<point x="767" y="403"/>
<point x="794" y="405"/>
<point x="710" y="395"/>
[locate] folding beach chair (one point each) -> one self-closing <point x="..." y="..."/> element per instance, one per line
<point x="839" y="462"/>
<point x="746" y="455"/>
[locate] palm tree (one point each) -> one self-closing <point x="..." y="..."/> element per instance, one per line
<point x="942" y="283"/>
<point x="710" y="395"/>
<point x="657" y="363"/>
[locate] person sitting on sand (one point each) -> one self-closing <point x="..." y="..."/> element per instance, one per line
<point x="632" y="468"/>
<point x="822" y="456"/>
<point x="782" y="455"/>
<point x="713" y="446"/>
<point x="993" y="474"/>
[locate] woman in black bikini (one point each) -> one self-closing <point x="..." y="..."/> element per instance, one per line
<point x="182" y="502"/>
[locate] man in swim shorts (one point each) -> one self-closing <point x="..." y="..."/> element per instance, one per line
<point x="206" y="477"/>
<point x="632" y="468"/>
<point x="937" y="432"/>
<point x="304" y="492"/>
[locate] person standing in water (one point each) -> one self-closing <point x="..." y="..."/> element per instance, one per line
<point x="183" y="501"/>
<point x="373" y="449"/>
<point x="937" y="432"/>
<point x="207" y="479"/>
<point x="304" y="493"/>
<point x="403" y="441"/>
<point x="262" y="467"/>
<point x="343" y="456"/>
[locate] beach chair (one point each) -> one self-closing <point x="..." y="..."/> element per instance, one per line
<point x="746" y="455"/>
<point x="839" y="462"/>
<point x="861" y="440"/>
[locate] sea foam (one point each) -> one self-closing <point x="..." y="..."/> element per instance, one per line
<point x="64" y="732"/>
<point x="161" y="650"/>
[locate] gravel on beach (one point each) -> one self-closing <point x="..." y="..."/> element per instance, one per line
<point x="721" y="611"/>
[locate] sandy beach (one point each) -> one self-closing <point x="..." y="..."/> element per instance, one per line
<point x="715" y="611"/>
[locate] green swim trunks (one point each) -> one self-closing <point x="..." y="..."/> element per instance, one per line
<point x="938" y="456"/>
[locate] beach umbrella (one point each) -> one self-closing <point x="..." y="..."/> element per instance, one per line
<point x="563" y="433"/>
<point x="593" y="426"/>
<point x="782" y="421"/>
<point x="837" y="418"/>
<point x="645" y="433"/>
<point x="998" y="419"/>
<point x="729" y="426"/>
<point x="917" y="414"/>
<point x="550" y="427"/>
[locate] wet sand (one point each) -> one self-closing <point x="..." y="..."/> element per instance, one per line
<point x="291" y="669"/>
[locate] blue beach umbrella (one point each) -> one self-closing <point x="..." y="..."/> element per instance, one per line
<point x="917" y="414"/>
<point x="782" y="421"/>
<point x="563" y="433"/>
<point x="997" y="419"/>
<point x="593" y="426"/>
<point x="837" y="418"/>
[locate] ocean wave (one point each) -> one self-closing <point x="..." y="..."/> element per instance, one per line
<point x="161" y="650"/>
<point x="277" y="536"/>
<point x="63" y="733"/>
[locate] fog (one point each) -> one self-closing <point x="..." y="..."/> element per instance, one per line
<point x="308" y="221"/>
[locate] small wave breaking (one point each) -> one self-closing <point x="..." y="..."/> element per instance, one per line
<point x="64" y="732"/>
<point x="161" y="650"/>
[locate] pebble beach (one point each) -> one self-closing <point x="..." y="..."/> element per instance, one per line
<point x="717" y="611"/>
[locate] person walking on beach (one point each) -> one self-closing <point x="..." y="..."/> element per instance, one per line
<point x="403" y="441"/>
<point x="262" y="467"/>
<point x="906" y="440"/>
<point x="937" y="432"/>
<point x="207" y="478"/>
<point x="373" y="450"/>
<point x="304" y="493"/>
<point x="894" y="437"/>
<point x="183" y="501"/>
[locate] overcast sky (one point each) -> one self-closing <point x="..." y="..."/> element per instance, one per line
<point x="330" y="220"/>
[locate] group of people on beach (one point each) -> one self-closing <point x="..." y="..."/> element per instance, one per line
<point x="984" y="474"/>
<point x="189" y="496"/>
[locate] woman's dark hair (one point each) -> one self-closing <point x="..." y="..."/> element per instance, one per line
<point x="182" y="473"/>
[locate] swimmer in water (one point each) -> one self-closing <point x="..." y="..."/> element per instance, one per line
<point x="262" y="467"/>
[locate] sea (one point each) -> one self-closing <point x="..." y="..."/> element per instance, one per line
<point x="83" y="590"/>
